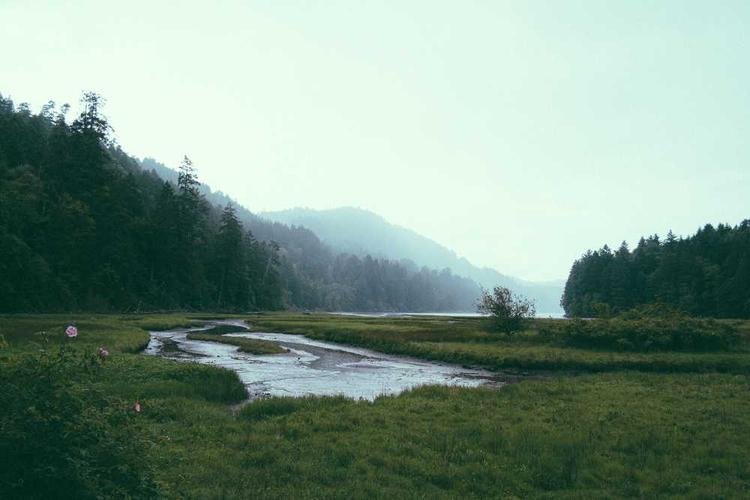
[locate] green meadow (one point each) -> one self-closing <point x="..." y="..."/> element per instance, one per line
<point x="586" y="424"/>
<point x="465" y="341"/>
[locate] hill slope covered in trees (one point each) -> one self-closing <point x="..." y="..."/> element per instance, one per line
<point x="84" y="227"/>
<point x="317" y="276"/>
<point x="707" y="274"/>
<point x="360" y="232"/>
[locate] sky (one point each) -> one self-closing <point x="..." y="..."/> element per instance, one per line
<point x="519" y="134"/>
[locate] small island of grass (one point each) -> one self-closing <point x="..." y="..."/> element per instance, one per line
<point x="252" y="346"/>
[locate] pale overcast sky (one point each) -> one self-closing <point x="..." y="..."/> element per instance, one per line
<point x="517" y="133"/>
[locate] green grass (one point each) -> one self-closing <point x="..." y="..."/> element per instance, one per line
<point x="464" y="341"/>
<point x="94" y="330"/>
<point x="148" y="377"/>
<point x="157" y="322"/>
<point x="222" y="329"/>
<point x="598" y="436"/>
<point x="252" y="346"/>
<point x="68" y="428"/>
<point x="627" y="433"/>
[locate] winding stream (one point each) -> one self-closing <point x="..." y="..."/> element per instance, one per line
<point x="312" y="367"/>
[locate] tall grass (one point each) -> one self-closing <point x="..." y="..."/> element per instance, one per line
<point x="607" y="435"/>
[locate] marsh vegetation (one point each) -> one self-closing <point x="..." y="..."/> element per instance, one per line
<point x="252" y="346"/>
<point x="639" y="430"/>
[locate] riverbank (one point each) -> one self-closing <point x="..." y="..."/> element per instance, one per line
<point x="305" y="367"/>
<point x="465" y="341"/>
<point x="626" y="433"/>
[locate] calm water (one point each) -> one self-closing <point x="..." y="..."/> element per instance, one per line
<point x="313" y="367"/>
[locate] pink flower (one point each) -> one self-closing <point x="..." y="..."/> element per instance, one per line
<point x="71" y="331"/>
<point x="137" y="407"/>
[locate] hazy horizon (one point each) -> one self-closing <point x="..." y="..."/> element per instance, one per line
<point x="518" y="134"/>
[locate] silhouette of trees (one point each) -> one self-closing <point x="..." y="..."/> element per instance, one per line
<point x="84" y="226"/>
<point x="707" y="274"/>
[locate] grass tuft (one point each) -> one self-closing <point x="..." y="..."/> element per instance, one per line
<point x="252" y="346"/>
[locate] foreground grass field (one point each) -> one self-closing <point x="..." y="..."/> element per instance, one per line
<point x="620" y="434"/>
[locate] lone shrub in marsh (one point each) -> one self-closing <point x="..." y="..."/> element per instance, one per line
<point x="508" y="312"/>
<point x="650" y="328"/>
<point x="60" y="438"/>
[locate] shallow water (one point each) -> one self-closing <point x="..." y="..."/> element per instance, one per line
<point x="312" y="367"/>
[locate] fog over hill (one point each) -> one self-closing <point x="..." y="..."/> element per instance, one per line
<point x="355" y="231"/>
<point x="316" y="276"/>
<point x="361" y="232"/>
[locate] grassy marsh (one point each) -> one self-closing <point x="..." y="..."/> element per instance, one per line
<point x="625" y="433"/>
<point x="464" y="341"/>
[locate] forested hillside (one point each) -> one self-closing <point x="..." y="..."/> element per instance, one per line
<point x="318" y="277"/>
<point x="360" y="232"/>
<point x="707" y="274"/>
<point x="84" y="227"/>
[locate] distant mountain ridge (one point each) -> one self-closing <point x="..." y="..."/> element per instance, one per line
<point x="361" y="232"/>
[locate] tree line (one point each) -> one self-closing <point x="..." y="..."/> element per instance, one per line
<point x="707" y="274"/>
<point x="84" y="226"/>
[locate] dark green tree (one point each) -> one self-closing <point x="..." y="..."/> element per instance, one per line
<point x="706" y="274"/>
<point x="231" y="262"/>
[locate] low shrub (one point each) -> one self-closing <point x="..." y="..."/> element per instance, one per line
<point x="61" y="438"/>
<point x="507" y="312"/>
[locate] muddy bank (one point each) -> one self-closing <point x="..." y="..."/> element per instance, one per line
<point x="312" y="367"/>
